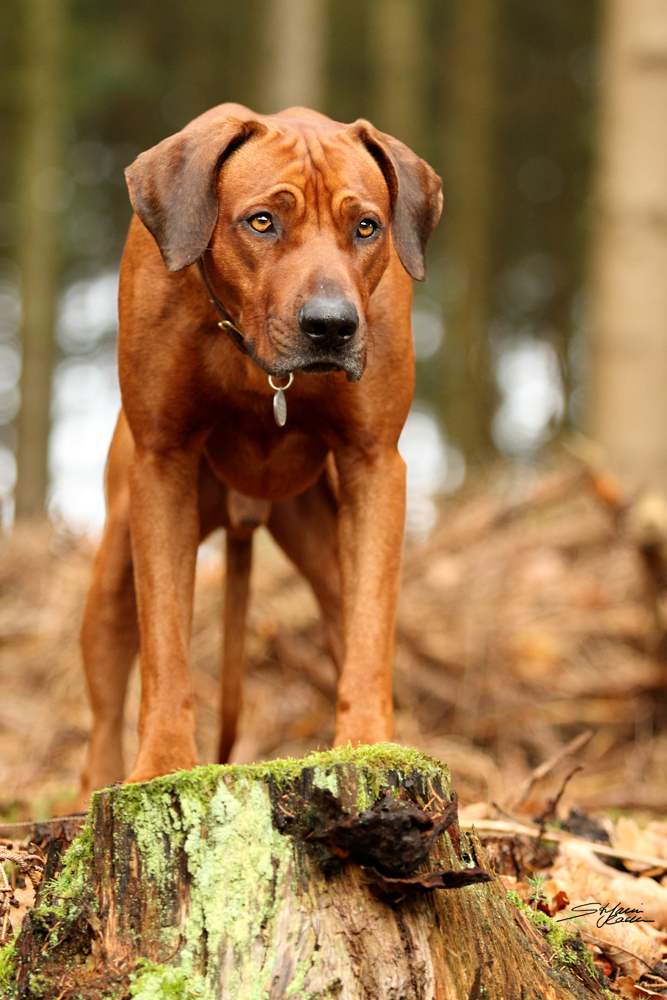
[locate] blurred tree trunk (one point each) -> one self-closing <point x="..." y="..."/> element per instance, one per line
<point x="468" y="396"/>
<point x="396" y="45"/>
<point x="42" y="193"/>
<point x="628" y="379"/>
<point x="296" y="35"/>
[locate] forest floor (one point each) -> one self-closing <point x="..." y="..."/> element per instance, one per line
<point x="530" y="634"/>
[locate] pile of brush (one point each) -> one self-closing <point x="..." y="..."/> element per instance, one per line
<point x="535" y="610"/>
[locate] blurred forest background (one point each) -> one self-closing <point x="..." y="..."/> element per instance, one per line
<point x="545" y="306"/>
<point x="500" y="97"/>
<point x="531" y="613"/>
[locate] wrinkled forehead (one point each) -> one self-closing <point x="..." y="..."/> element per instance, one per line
<point x="329" y="165"/>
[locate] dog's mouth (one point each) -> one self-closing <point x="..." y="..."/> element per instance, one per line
<point x="353" y="363"/>
<point x="320" y="367"/>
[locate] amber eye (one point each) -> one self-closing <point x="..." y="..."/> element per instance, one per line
<point x="366" y="228"/>
<point x="261" y="223"/>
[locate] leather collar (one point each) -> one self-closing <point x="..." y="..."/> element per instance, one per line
<point x="227" y="323"/>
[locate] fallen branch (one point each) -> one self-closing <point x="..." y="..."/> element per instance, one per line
<point x="550" y="765"/>
<point x="493" y="827"/>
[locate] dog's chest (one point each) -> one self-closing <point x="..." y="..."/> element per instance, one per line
<point x="275" y="465"/>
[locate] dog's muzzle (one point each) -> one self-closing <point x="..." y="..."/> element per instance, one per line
<point x="327" y="323"/>
<point x="330" y="326"/>
<point x="326" y="337"/>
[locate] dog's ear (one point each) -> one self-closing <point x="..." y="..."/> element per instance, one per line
<point x="172" y="186"/>
<point x="415" y="191"/>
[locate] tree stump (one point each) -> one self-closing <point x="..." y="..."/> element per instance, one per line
<point x="343" y="875"/>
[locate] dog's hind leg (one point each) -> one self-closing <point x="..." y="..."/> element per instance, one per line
<point x="244" y="514"/>
<point x="306" y="530"/>
<point x="110" y="633"/>
<point x="237" y="582"/>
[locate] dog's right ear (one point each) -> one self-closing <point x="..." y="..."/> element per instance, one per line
<point x="172" y="186"/>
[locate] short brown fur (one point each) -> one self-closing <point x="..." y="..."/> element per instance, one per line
<point x="196" y="446"/>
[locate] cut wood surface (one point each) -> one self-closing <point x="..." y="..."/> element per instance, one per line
<point x="344" y="874"/>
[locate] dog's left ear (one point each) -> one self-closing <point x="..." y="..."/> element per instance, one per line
<point x="415" y="191"/>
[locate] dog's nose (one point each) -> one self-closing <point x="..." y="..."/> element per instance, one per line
<point x="328" y="322"/>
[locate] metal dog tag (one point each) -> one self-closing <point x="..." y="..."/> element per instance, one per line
<point x="280" y="408"/>
<point x="279" y="401"/>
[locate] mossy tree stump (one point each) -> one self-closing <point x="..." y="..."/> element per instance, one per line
<point x="303" y="879"/>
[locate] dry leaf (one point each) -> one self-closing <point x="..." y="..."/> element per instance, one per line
<point x="558" y="903"/>
<point x="642" y="894"/>
<point x="580" y="873"/>
<point x="602" y="963"/>
<point x="573" y="874"/>
<point x="628" y="947"/>
<point x="656" y="834"/>
<point x="627" y="987"/>
<point x="628" y="836"/>
<point x="26" y="899"/>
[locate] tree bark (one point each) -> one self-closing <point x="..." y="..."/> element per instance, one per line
<point x="42" y="198"/>
<point x="310" y="879"/>
<point x="628" y="402"/>
<point x="295" y="35"/>
<point x="468" y="394"/>
<point x="398" y="99"/>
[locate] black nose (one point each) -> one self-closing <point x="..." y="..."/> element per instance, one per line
<point x="328" y="322"/>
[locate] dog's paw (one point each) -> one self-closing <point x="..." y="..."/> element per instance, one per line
<point x="163" y="756"/>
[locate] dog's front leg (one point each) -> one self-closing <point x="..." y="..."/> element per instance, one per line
<point x="371" y="523"/>
<point x="164" y="524"/>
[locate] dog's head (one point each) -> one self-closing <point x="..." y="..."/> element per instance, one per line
<point x="293" y="217"/>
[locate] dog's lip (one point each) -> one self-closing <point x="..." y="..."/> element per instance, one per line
<point x="352" y="362"/>
<point x="353" y="366"/>
<point x="320" y="367"/>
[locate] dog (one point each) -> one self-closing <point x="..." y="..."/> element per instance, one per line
<point x="266" y="371"/>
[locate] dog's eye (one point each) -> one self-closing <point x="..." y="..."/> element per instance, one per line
<point x="366" y="228"/>
<point x="261" y="223"/>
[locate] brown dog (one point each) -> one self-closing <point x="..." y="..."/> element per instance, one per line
<point x="260" y="246"/>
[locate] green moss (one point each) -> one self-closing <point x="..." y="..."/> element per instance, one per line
<point x="565" y="944"/>
<point x="164" y="982"/>
<point x="146" y="807"/>
<point x="63" y="897"/>
<point x="515" y="899"/>
<point x="201" y="781"/>
<point x="39" y="986"/>
<point x="76" y="866"/>
<point x="7" y="968"/>
<point x="150" y="813"/>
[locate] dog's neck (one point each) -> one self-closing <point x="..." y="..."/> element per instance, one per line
<point x="227" y="323"/>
